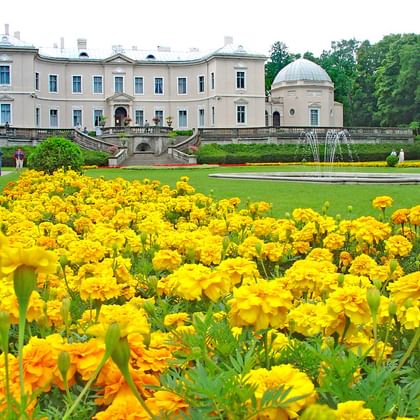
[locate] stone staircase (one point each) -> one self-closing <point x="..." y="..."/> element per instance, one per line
<point x="149" y="159"/>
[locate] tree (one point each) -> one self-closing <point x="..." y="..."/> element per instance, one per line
<point x="340" y="64"/>
<point x="279" y="58"/>
<point x="398" y="82"/>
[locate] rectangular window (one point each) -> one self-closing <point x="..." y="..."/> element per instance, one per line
<point x="4" y="75"/>
<point x="212" y="81"/>
<point x="240" y="79"/>
<point x="240" y="114"/>
<point x="54" y="118"/>
<point x="314" y="117"/>
<point x="5" y="113"/>
<point x="201" y="117"/>
<point x="200" y="84"/>
<point x="97" y="84"/>
<point x="139" y="116"/>
<point x="53" y="83"/>
<point x="37" y="117"/>
<point x="97" y="114"/>
<point x="118" y="84"/>
<point x="182" y="85"/>
<point x="213" y="115"/>
<point x="36" y="81"/>
<point x="138" y="86"/>
<point x="159" y="115"/>
<point x="77" y="84"/>
<point x="77" y="117"/>
<point x="182" y="118"/>
<point x="158" y="85"/>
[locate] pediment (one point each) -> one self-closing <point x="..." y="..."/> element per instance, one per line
<point x="6" y="98"/>
<point x="119" y="59"/>
<point x="120" y="97"/>
<point x="241" y="101"/>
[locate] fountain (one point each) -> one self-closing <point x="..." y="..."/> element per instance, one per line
<point x="337" y="142"/>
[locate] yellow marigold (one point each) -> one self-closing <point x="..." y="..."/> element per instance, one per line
<point x="400" y="216"/>
<point x="100" y="288"/>
<point x="353" y="410"/>
<point x="362" y="265"/>
<point x="86" y="251"/>
<point x="398" y="246"/>
<point x="345" y="259"/>
<point x="406" y="287"/>
<point x="297" y="382"/>
<point x="40" y="260"/>
<point x="166" y="259"/>
<point x="307" y="318"/>
<point x="238" y="270"/>
<point x="351" y="301"/>
<point x="414" y="215"/>
<point x="334" y="241"/>
<point x="261" y="305"/>
<point x="176" y="319"/>
<point x="320" y="254"/>
<point x="304" y="215"/>
<point x="382" y="202"/>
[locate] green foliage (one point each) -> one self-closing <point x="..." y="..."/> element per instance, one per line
<point x="93" y="157"/>
<point x="392" y="160"/>
<point x="251" y="153"/>
<point x="9" y="151"/>
<point x="55" y="153"/>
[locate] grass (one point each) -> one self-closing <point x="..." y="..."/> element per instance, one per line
<point x="284" y="196"/>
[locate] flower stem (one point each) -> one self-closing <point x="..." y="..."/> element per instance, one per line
<point x="410" y="349"/>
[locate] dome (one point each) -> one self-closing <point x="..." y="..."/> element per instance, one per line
<point x="302" y="69"/>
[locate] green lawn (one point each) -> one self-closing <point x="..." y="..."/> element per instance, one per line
<point x="285" y="196"/>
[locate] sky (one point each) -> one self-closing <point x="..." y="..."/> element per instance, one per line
<point x="303" y="25"/>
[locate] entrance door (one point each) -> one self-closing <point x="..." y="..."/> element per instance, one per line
<point x="276" y="119"/>
<point x="119" y="116"/>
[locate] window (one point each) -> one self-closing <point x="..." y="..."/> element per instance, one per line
<point x="138" y="86"/>
<point x="182" y="85"/>
<point x="240" y="114"/>
<point x="139" y="117"/>
<point x="37" y="117"/>
<point x="314" y="117"/>
<point x="77" y="84"/>
<point x="201" y="117"/>
<point x="97" y="84"/>
<point x="200" y="84"/>
<point x="292" y="112"/>
<point x="97" y="115"/>
<point x="158" y="85"/>
<point x="5" y="113"/>
<point x="182" y="118"/>
<point x="53" y="117"/>
<point x="240" y="79"/>
<point x="4" y="75"/>
<point x="213" y="115"/>
<point x="118" y="84"/>
<point x="77" y="117"/>
<point x="36" y="81"/>
<point x="212" y="80"/>
<point x="53" y="83"/>
<point x="159" y="114"/>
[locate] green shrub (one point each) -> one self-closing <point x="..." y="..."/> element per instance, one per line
<point x="93" y="157"/>
<point x="55" y="153"/>
<point x="392" y="160"/>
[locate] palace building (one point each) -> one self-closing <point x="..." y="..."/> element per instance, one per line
<point x="80" y="87"/>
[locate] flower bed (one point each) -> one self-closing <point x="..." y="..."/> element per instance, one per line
<point x="134" y="300"/>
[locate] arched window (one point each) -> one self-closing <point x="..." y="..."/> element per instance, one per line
<point x="276" y="119"/>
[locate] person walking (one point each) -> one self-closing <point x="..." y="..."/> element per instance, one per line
<point x="19" y="158"/>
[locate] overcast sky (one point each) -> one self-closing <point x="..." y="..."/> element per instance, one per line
<point x="303" y="25"/>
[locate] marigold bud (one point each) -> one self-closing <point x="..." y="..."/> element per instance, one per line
<point x="392" y="308"/>
<point x="393" y="265"/>
<point x="65" y="309"/>
<point x="4" y="331"/>
<point x="63" y="363"/>
<point x="408" y="303"/>
<point x="373" y="296"/>
<point x="349" y="209"/>
<point x="121" y="355"/>
<point x="63" y="261"/>
<point x="377" y="283"/>
<point x="24" y="282"/>
<point x="112" y="337"/>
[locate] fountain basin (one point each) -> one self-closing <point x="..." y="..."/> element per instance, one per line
<point x="327" y="177"/>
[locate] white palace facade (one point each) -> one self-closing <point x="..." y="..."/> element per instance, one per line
<point x="64" y="88"/>
<point x="80" y="87"/>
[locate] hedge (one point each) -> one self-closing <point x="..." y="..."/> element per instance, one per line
<point x="252" y="153"/>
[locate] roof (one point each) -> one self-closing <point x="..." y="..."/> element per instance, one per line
<point x="302" y="69"/>
<point x="161" y="54"/>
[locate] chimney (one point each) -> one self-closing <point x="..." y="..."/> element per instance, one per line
<point x="81" y="44"/>
<point x="62" y="43"/>
<point x="55" y="45"/>
<point x="17" y="35"/>
<point x="228" y="40"/>
<point x="6" y="29"/>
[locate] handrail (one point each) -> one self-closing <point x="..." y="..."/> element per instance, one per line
<point x="91" y="143"/>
